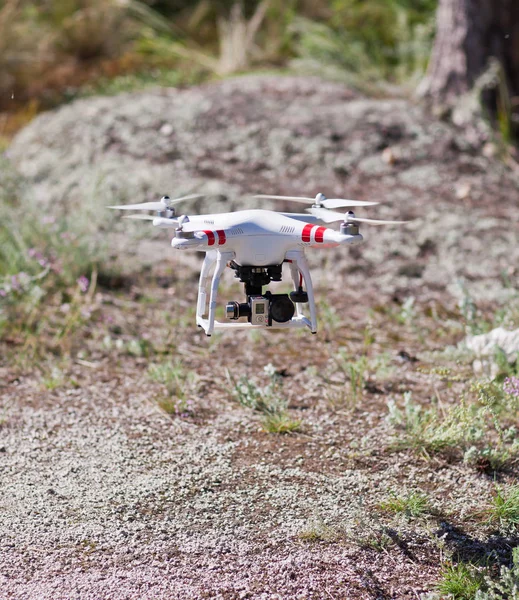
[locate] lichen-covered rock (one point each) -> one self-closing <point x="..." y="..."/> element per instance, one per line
<point x="289" y="135"/>
<point x="489" y="347"/>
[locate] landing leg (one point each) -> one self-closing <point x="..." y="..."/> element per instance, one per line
<point x="299" y="260"/>
<point x="221" y="262"/>
<point x="294" y="271"/>
<point x="201" y="306"/>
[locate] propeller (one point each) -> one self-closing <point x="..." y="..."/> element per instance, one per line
<point x="320" y="200"/>
<point x="140" y="217"/>
<point x="330" y="216"/>
<point x="163" y="204"/>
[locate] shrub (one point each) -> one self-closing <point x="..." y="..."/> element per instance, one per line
<point x="431" y="430"/>
<point x="48" y="270"/>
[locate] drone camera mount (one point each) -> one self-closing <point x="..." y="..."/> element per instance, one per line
<point x="260" y="309"/>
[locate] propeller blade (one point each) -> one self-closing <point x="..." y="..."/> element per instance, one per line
<point x="188" y="197"/>
<point x="327" y="202"/>
<point x="376" y="221"/>
<point x="340" y="202"/>
<point x="302" y="200"/>
<point x="331" y="216"/>
<point x="161" y="205"/>
<point x="327" y="216"/>
<point x="142" y="206"/>
<point x="140" y="217"/>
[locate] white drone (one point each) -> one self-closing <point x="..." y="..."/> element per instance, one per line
<point x="255" y="244"/>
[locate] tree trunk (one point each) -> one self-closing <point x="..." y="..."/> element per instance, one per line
<point x="469" y="33"/>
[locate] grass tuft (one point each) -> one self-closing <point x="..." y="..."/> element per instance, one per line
<point x="505" y="507"/>
<point x="267" y="400"/>
<point x="180" y="384"/>
<point x="431" y="429"/>
<point x="280" y="423"/>
<point x="459" y="582"/>
<point x="412" y="504"/>
<point x="318" y="531"/>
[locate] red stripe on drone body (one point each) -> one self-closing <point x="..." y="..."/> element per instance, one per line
<point x="221" y="237"/>
<point x="319" y="234"/>
<point x="210" y="237"/>
<point x="307" y="232"/>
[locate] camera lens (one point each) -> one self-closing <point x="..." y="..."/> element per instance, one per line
<point x="236" y="310"/>
<point x="281" y="308"/>
<point x="232" y="310"/>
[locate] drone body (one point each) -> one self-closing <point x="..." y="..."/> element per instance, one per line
<point x="257" y="237"/>
<point x="255" y="244"/>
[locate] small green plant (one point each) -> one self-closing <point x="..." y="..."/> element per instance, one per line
<point x="53" y="380"/>
<point x="474" y="321"/>
<point x="504" y="508"/>
<point x="268" y="400"/>
<point x="432" y="429"/>
<point x="356" y="372"/>
<point x="504" y="365"/>
<point x="318" y="531"/>
<point x="506" y="586"/>
<point x="489" y="459"/>
<point x="280" y="423"/>
<point x="180" y="384"/>
<point x="412" y="504"/>
<point x="328" y="316"/>
<point x="376" y="539"/>
<point x="460" y="581"/>
<point x="408" y="311"/>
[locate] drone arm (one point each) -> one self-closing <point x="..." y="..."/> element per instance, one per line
<point x="163" y="223"/>
<point x="337" y="238"/>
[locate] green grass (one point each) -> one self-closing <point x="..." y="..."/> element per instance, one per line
<point x="504" y="508"/>
<point x="480" y="425"/>
<point x="122" y="46"/>
<point x="280" y="423"/>
<point x="180" y="384"/>
<point x="53" y="380"/>
<point x="48" y="271"/>
<point x="432" y="429"/>
<point x="269" y="400"/>
<point x="355" y="369"/>
<point x="459" y="582"/>
<point x="412" y="504"/>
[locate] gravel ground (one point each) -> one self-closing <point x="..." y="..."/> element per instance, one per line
<point x="104" y="495"/>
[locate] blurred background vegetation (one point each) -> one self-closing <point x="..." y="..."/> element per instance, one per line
<point x="53" y="51"/>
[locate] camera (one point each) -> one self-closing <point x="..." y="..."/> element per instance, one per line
<point x="262" y="310"/>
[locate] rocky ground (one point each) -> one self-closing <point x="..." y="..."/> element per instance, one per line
<point x="105" y="494"/>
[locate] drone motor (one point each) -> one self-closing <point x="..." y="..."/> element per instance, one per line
<point x="349" y="227"/>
